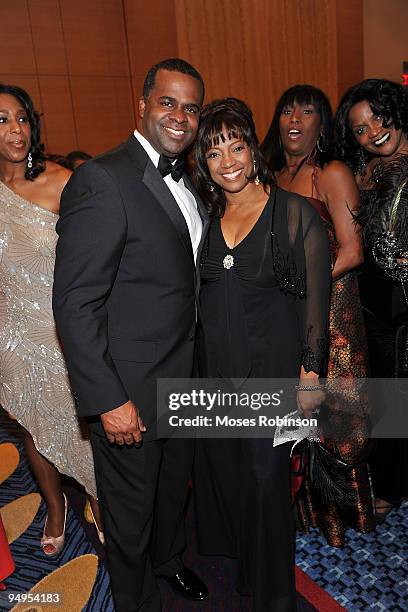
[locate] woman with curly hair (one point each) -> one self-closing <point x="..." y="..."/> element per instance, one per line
<point x="298" y="147"/>
<point x="34" y="386"/>
<point x="260" y="320"/>
<point x="371" y="131"/>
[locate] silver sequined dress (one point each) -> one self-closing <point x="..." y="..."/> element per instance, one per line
<point x="34" y="386"/>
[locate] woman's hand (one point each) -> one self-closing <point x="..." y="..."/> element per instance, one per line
<point x="308" y="401"/>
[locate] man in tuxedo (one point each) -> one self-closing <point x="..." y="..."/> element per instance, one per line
<point x="130" y="233"/>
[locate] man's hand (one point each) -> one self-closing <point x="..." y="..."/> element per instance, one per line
<point x="123" y="425"/>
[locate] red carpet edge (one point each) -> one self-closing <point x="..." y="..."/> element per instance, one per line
<point x="314" y="594"/>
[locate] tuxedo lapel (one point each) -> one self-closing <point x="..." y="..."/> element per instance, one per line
<point x="162" y="194"/>
<point x="155" y="183"/>
<point x="206" y="224"/>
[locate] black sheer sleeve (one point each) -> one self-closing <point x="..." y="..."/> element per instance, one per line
<point x="301" y="252"/>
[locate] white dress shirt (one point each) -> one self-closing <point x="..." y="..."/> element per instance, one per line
<point x="184" y="198"/>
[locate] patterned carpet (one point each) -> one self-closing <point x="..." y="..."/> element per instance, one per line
<point x="32" y="565"/>
<point x="370" y="573"/>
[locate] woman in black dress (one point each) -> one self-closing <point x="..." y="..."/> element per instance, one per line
<point x="264" y="305"/>
<point x="371" y="129"/>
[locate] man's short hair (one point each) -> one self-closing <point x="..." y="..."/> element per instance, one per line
<point x="173" y="64"/>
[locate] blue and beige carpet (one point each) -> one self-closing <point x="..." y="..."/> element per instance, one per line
<point x="370" y="573"/>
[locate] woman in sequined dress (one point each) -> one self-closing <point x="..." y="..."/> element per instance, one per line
<point x="34" y="386"/>
<point x="261" y="318"/>
<point x="371" y="130"/>
<point x="298" y="149"/>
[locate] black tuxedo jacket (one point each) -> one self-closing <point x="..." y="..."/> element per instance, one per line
<point x="125" y="282"/>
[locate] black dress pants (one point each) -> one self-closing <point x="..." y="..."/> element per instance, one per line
<point x="139" y="488"/>
<point x="168" y="535"/>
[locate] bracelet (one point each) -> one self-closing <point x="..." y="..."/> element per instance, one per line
<point x="318" y="387"/>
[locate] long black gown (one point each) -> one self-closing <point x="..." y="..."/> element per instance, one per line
<point x="386" y="319"/>
<point x="262" y="317"/>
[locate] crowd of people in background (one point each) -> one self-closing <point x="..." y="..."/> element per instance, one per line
<point x="296" y="251"/>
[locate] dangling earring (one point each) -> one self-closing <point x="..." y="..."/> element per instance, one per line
<point x="211" y="187"/>
<point x="256" y="179"/>
<point x="29" y="160"/>
<point x="320" y="144"/>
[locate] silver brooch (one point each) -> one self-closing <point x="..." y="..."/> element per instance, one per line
<point x="228" y="262"/>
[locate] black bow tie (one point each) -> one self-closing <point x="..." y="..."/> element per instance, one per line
<point x="166" y="167"/>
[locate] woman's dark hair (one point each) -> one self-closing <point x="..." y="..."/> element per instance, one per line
<point x="385" y="98"/>
<point x="61" y="160"/>
<point x="76" y="156"/>
<point x="231" y="116"/>
<point x="390" y="179"/>
<point x="272" y="147"/>
<point x="36" y="148"/>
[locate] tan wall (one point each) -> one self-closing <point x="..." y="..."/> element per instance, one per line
<point x="255" y="49"/>
<point x="71" y="56"/>
<point x="84" y="61"/>
<point x="385" y="38"/>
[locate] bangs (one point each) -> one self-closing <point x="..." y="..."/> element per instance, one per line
<point x="222" y="128"/>
<point x="301" y="95"/>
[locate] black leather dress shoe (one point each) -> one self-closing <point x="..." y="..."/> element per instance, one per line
<point x="187" y="584"/>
